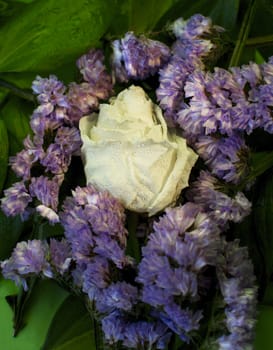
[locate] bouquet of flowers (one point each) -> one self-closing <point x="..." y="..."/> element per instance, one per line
<point x="142" y="173"/>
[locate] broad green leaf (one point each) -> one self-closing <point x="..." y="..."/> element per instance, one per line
<point x="222" y="12"/>
<point x="71" y="328"/>
<point x="50" y="33"/>
<point x="18" y="302"/>
<point x="4" y="153"/>
<point x="44" y="302"/>
<point x="16" y="116"/>
<point x="144" y="15"/>
<point x="264" y="334"/>
<point x="140" y="16"/>
<point x="22" y="80"/>
<point x="11" y="228"/>
<point x="226" y="12"/>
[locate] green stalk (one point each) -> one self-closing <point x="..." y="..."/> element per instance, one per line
<point x="265" y="40"/>
<point x="17" y="91"/>
<point x="243" y="35"/>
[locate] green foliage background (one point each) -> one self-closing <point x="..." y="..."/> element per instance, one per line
<point x="42" y="37"/>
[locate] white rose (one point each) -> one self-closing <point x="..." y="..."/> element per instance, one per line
<point x="128" y="151"/>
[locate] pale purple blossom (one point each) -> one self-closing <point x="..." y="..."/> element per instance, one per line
<point x="28" y="258"/>
<point x="118" y="295"/>
<point x="170" y="93"/>
<point x="137" y="57"/>
<point x="226" y="157"/>
<point x="118" y="328"/>
<point x="50" y="91"/>
<point x="16" y="199"/>
<point x="93" y="70"/>
<point x="60" y="255"/>
<point x="196" y="26"/>
<point x="237" y="283"/>
<point x="210" y="194"/>
<point x="183" y="243"/>
<point x="24" y="160"/>
<point x="45" y="190"/>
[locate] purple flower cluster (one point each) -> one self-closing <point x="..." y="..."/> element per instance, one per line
<point x="209" y="193"/>
<point x="46" y="157"/>
<point x="226" y="157"/>
<point x="137" y="57"/>
<point x="236" y="277"/>
<point x="184" y="243"/>
<point x="135" y="335"/>
<point x="97" y="85"/>
<point x="227" y="101"/>
<point x="192" y="47"/>
<point x="37" y="257"/>
<point x="94" y="227"/>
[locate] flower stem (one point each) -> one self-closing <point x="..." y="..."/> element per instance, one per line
<point x="240" y="43"/>
<point x="17" y="91"/>
<point x="132" y="242"/>
<point x="266" y="40"/>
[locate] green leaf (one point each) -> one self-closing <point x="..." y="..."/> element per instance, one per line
<point x="4" y="153"/>
<point x="16" y="116"/>
<point x="225" y="13"/>
<point x="264" y="334"/>
<point x="45" y="300"/>
<point x="243" y="34"/>
<point x="18" y="303"/>
<point x="49" y="34"/>
<point x="11" y="229"/>
<point x="71" y="328"/>
<point x="259" y="163"/>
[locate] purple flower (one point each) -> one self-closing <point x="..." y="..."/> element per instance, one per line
<point x="210" y="194"/>
<point x="217" y="103"/>
<point x="196" y="26"/>
<point x="69" y="139"/>
<point x="22" y="163"/>
<point x="48" y="213"/>
<point x="237" y="282"/>
<point x="119" y="295"/>
<point x="94" y="227"/>
<point x="142" y="334"/>
<point x="45" y="190"/>
<point x="183" y="243"/>
<point x="114" y="328"/>
<point x="104" y="213"/>
<point x="55" y="159"/>
<point x="226" y="157"/>
<point x="192" y="50"/>
<point x="170" y="93"/>
<point x="50" y="92"/>
<point x="82" y="100"/>
<point x="96" y="277"/>
<point x="137" y="58"/>
<point x="118" y="328"/>
<point x="181" y="321"/>
<point x="27" y="258"/>
<point x="16" y="200"/>
<point x="60" y="255"/>
<point x="94" y="72"/>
